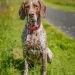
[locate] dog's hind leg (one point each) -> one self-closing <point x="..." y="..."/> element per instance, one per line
<point x="26" y="68"/>
<point x="49" y="55"/>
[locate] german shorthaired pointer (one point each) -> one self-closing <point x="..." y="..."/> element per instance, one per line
<point x="34" y="37"/>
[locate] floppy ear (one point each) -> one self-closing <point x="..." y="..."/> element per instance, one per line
<point x="42" y="9"/>
<point x="22" y="12"/>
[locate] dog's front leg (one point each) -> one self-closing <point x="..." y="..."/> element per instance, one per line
<point x="44" y="63"/>
<point x="26" y="68"/>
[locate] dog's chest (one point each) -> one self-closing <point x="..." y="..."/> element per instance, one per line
<point x="36" y="40"/>
<point x="33" y="46"/>
<point x="32" y="41"/>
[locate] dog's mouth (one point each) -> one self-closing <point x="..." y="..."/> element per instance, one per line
<point x="32" y="21"/>
<point x="33" y="24"/>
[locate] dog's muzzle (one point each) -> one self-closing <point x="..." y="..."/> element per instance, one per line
<point x="33" y="25"/>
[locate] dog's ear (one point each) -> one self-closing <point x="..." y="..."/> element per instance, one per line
<point x="42" y="9"/>
<point x="22" y="12"/>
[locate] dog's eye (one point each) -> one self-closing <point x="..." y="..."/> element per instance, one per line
<point x="27" y="6"/>
<point x="35" y="5"/>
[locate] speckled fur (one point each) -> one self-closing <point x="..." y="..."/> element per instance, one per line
<point x="34" y="44"/>
<point x="35" y="49"/>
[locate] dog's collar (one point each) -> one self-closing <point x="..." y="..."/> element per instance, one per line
<point x="33" y="27"/>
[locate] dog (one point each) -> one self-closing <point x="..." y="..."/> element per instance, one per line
<point x="34" y="40"/>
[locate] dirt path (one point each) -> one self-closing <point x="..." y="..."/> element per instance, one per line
<point x="63" y="20"/>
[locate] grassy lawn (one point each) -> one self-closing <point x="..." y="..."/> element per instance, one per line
<point x="11" y="54"/>
<point x="68" y="5"/>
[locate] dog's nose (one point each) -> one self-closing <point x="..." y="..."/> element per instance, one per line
<point x="31" y="14"/>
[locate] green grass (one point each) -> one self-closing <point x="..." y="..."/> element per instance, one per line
<point x="63" y="48"/>
<point x="11" y="54"/>
<point x="67" y="5"/>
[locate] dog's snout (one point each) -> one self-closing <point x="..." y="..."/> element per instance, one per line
<point x="31" y="14"/>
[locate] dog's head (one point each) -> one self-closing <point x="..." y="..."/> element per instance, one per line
<point x="33" y="9"/>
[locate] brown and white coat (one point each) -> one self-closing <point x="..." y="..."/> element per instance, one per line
<point x="34" y="38"/>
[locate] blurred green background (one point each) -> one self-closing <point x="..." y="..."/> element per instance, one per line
<point x="68" y="5"/>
